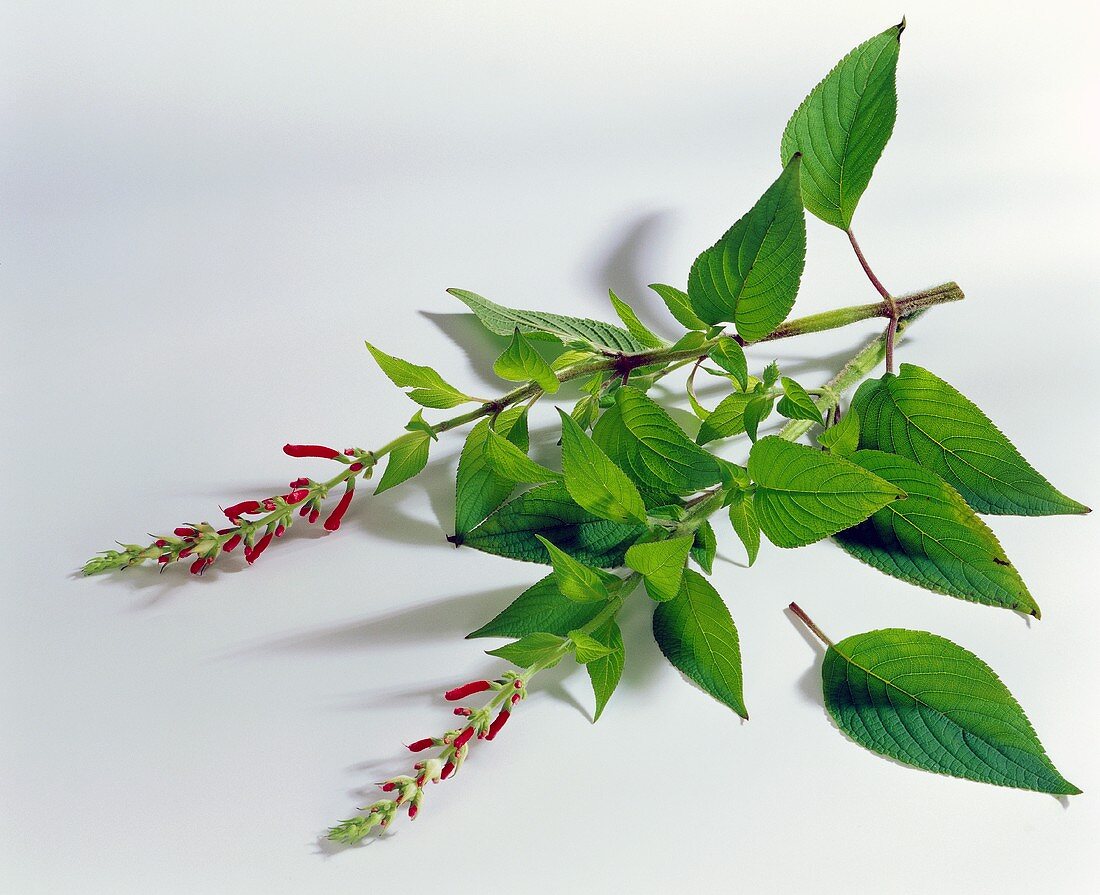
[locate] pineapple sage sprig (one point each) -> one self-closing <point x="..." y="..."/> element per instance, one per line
<point x="899" y="478"/>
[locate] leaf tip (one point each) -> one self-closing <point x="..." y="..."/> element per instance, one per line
<point x="901" y="27"/>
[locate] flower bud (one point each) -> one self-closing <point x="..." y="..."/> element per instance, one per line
<point x="463" y="738"/>
<point x="296" y="496"/>
<point x="200" y="564"/>
<point x="231" y="544"/>
<point x="466" y="690"/>
<point x="421" y="745"/>
<point x="238" y="509"/>
<point x="185" y="532"/>
<point x="448" y="769"/>
<point x="310" y="450"/>
<point x="333" y="521"/>
<point x="497" y="724"/>
<point x="303" y="482"/>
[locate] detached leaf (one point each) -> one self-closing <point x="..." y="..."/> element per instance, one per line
<point x="842" y="127"/>
<point x="406" y="459"/>
<point x="576" y="580"/>
<point x="696" y="633"/>
<point x="635" y="326"/>
<point x="478" y="489"/>
<point x="750" y="276"/>
<point x="745" y="526"/>
<point x="934" y="540"/>
<point x="731" y="357"/>
<point x="587" y="648"/>
<point x="428" y="387"/>
<point x="513" y="465"/>
<point x="504" y="321"/>
<point x="542" y="607"/>
<point x="918" y="415"/>
<point x="797" y="404"/>
<point x="529" y="650"/>
<point x="606" y="672"/>
<point x="843" y="438"/>
<point x="520" y="362"/>
<point x="804" y="495"/>
<point x="661" y="564"/>
<point x="594" y="481"/>
<point x="927" y="702"/>
<point x="676" y="300"/>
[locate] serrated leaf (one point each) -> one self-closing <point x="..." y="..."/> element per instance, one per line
<point x="842" y="438"/>
<point x="587" y="648"/>
<point x="520" y="362"/>
<point x="549" y="510"/>
<point x="428" y="387"/>
<point x="406" y="459"/>
<point x="690" y="341"/>
<point x="727" y="419"/>
<point x="704" y="546"/>
<point x="750" y="276"/>
<point x="529" y="650"/>
<point x="585" y="412"/>
<point x="842" y="127"/>
<point x="918" y="415"/>
<point x="576" y="580"/>
<point x="542" y="607"/>
<point x="661" y="564"/>
<point x="606" y="672"/>
<point x="770" y="375"/>
<point x="676" y="300"/>
<point x="927" y="702"/>
<point x="478" y="489"/>
<point x="696" y="633"/>
<point x="803" y="495"/>
<point x="757" y="409"/>
<point x="643" y="440"/>
<point x="933" y="539"/>
<point x="731" y="357"/>
<point x="745" y="526"/>
<point x="513" y="465"/>
<point x="594" y="481"/>
<point x="797" y="404"/>
<point x="633" y="325"/>
<point x="504" y="321"/>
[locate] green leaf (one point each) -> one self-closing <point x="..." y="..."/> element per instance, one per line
<point x="758" y="409"/>
<point x="750" y="276"/>
<point x="419" y="424"/>
<point x="605" y="673"/>
<point x="842" y="127"/>
<point x="797" y="404"/>
<point x="576" y="580"/>
<point x="549" y="510"/>
<point x="927" y="702"/>
<point x="918" y="415"/>
<point x="520" y="362"/>
<point x="529" y="650"/>
<point x="745" y="526"/>
<point x="727" y="419"/>
<point x="593" y="481"/>
<point x="704" y="546"/>
<point x="569" y="357"/>
<point x="771" y="375"/>
<point x="696" y="633"/>
<point x="513" y="465"/>
<point x="933" y="539"/>
<point x="478" y="489"/>
<point x="635" y="326"/>
<point x="644" y="441"/>
<point x="689" y="341"/>
<point x="504" y="321"/>
<point x="661" y="564"/>
<point x="428" y="387"/>
<point x="731" y="357"/>
<point x="842" y="438"/>
<point x="587" y="648"/>
<point x="542" y="607"/>
<point x="406" y="459"/>
<point x="804" y="495"/>
<point x="585" y="412"/>
<point x="676" y="300"/>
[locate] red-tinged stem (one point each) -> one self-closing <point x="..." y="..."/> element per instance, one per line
<point x="808" y="622"/>
<point x="892" y="326"/>
<point x="875" y="281"/>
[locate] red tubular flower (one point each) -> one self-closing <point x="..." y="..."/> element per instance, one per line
<point x="164" y="557"/>
<point x="297" y="495"/>
<point x="413" y="809"/>
<point x="260" y="547"/>
<point x="388" y="787"/>
<point x="333" y="521"/>
<point x="466" y="690"/>
<point x="463" y="738"/>
<point x="245" y="506"/>
<point x="200" y="564"/>
<point x="303" y="482"/>
<point x="279" y="529"/>
<point x="421" y="745"/>
<point x="231" y="544"/>
<point x="498" y="723"/>
<point x="448" y="769"/>
<point x="185" y="532"/>
<point x="184" y="554"/>
<point x="311" y="450"/>
<point x="304" y="511"/>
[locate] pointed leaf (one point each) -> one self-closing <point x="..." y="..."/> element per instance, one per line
<point x="696" y="633"/>
<point x="758" y="409"/>
<point x="478" y="489"/>
<point x="804" y="495"/>
<point x="587" y="648"/>
<point x="727" y="419"/>
<point x="842" y="127"/>
<point x="661" y="564"/>
<point x="842" y="438"/>
<point x="513" y="465"/>
<point x="606" y="672"/>
<point x="927" y="702"/>
<point x="745" y="526"/>
<point x="576" y="580"/>
<point x="918" y="415"/>
<point x="635" y="326"/>
<point x="731" y="357"/>
<point x="520" y="362"/>
<point x="796" y="403"/>
<point x="530" y="650"/>
<point x="406" y="459"/>
<point x="593" y="481"/>
<point x="542" y="607"/>
<point x="428" y="387"/>
<point x="676" y="300"/>
<point x="704" y="546"/>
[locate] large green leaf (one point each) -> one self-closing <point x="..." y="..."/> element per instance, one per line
<point x="750" y="276"/>
<point x="548" y="510"/>
<point x="696" y="633"/>
<point x="918" y="415"/>
<point x="842" y="127"/>
<point x="593" y="481"/>
<point x="661" y="564"/>
<point x="926" y="701"/>
<point x="803" y="495"/>
<point x="542" y="607"/>
<point x="427" y="386"/>
<point x="933" y="539"/>
<point x="407" y="458"/>
<point x="479" y="489"/>
<point x="504" y="321"/>
<point x="641" y="438"/>
<point x="606" y="672"/>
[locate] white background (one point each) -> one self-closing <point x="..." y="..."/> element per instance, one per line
<point x="205" y="209"/>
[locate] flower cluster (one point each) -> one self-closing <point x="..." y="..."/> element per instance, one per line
<point x="408" y="790"/>
<point x="202" y="543"/>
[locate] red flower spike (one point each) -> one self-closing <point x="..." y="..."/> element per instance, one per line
<point x="310" y="450"/>
<point x="245" y="506"/>
<point x="463" y="738"/>
<point x="421" y="745"/>
<point x="303" y="482"/>
<point x="260" y="547"/>
<point x="185" y="532"/>
<point x="333" y="521"/>
<point x="497" y="724"/>
<point x="231" y="544"/>
<point x="296" y="496"/>
<point x="448" y="769"/>
<point x="413" y="809"/>
<point x="466" y="690"/>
